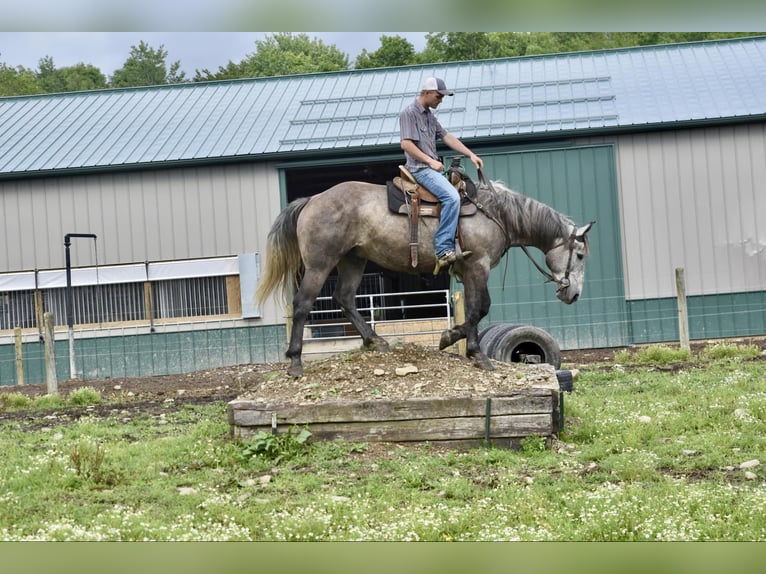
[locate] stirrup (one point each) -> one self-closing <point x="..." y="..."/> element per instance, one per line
<point x="449" y="258"/>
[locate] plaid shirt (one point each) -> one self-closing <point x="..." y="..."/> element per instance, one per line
<point x="418" y="124"/>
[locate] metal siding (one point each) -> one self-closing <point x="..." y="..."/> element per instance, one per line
<point x="579" y="182"/>
<point x="690" y="199"/>
<point x="159" y="215"/>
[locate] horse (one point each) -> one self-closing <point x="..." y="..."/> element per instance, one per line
<point x="349" y="224"/>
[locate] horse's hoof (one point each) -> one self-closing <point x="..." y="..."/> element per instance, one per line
<point x="483" y="362"/>
<point x="379" y="345"/>
<point x="445" y="340"/>
<point x="295" y="371"/>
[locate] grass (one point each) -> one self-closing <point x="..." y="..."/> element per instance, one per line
<point x="648" y="453"/>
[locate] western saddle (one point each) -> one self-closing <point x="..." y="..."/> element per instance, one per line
<point x="407" y="196"/>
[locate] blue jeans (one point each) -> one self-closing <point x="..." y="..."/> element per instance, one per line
<point x="439" y="185"/>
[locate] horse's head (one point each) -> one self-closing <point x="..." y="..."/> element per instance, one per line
<point x="566" y="260"/>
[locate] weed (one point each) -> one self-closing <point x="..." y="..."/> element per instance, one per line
<point x="277" y="447"/>
<point x="50" y="401"/>
<point x="84" y="396"/>
<point x="15" y="401"/>
<point x="721" y="351"/>
<point x="87" y="458"/>
<point x="533" y="443"/>
<point x="662" y="354"/>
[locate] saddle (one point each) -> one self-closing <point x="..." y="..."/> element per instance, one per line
<point x="407" y="197"/>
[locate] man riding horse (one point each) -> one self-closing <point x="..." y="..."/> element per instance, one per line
<point x="419" y="132"/>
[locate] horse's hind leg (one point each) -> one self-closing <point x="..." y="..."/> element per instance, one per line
<point x="303" y="302"/>
<point x="350" y="271"/>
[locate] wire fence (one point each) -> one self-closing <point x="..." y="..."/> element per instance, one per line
<point x="167" y="348"/>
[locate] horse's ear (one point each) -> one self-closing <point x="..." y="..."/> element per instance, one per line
<point x="581" y="231"/>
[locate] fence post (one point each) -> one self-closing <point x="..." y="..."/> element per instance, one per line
<point x="289" y="321"/>
<point x="683" y="316"/>
<point x="458" y="298"/>
<point x="19" y="356"/>
<point x="50" y="354"/>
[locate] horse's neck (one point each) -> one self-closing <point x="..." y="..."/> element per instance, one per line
<point x="533" y="223"/>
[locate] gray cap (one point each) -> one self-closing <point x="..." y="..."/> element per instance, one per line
<point x="438" y="85"/>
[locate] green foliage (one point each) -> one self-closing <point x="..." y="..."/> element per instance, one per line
<point x="282" y="54"/>
<point x="14" y="401"/>
<point x="533" y="443"/>
<point x="724" y="351"/>
<point x="277" y="447"/>
<point x="461" y="46"/>
<point x="18" y="81"/>
<point x="393" y="51"/>
<point x="88" y="460"/>
<point x="84" y="396"/>
<point x="147" y="66"/>
<point x="49" y="401"/>
<point x="77" y="78"/>
<point x="657" y="354"/>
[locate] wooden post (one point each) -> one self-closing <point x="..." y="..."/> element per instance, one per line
<point x="50" y="354"/>
<point x="289" y="321"/>
<point x="459" y="299"/>
<point x="683" y="316"/>
<point x="19" y="357"/>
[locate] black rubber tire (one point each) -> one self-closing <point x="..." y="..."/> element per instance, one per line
<point x="566" y="381"/>
<point x="483" y="333"/>
<point x="492" y="335"/>
<point x="523" y="340"/>
<point x="489" y="334"/>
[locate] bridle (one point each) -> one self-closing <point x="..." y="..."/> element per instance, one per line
<point x="562" y="283"/>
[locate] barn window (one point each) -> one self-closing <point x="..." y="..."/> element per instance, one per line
<point x="97" y="304"/>
<point x="141" y="292"/>
<point x="195" y="297"/>
<point x="17" y="309"/>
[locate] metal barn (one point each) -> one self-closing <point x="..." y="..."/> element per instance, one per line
<point x="664" y="146"/>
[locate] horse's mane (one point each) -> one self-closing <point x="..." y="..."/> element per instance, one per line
<point x="525" y="217"/>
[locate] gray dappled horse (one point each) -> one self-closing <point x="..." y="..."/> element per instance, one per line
<point x="350" y="223"/>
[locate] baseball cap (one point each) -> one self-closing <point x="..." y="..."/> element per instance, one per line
<point x="436" y="84"/>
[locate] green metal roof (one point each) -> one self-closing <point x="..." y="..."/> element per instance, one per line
<point x="506" y="98"/>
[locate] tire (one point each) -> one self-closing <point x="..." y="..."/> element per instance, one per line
<point x="521" y="341"/>
<point x="492" y="335"/>
<point x="566" y="381"/>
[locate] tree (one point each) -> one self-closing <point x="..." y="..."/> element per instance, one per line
<point x="393" y="51"/>
<point x="77" y="78"/>
<point x="147" y="67"/>
<point x="17" y="81"/>
<point x="282" y="54"/>
<point x="460" y="46"/>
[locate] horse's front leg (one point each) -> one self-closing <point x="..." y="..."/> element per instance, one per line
<point x="477" y="301"/>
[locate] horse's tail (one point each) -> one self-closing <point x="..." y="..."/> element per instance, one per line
<point x="283" y="257"/>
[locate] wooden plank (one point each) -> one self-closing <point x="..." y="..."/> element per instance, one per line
<point x="255" y="413"/>
<point x="471" y="428"/>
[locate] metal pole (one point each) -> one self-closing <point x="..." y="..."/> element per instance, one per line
<point x="70" y="299"/>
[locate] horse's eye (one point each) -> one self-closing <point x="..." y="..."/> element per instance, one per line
<point x="580" y="256"/>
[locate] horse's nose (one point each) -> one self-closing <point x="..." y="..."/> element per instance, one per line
<point x="576" y="297"/>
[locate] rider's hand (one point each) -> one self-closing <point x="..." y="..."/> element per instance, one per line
<point x="477" y="161"/>
<point x="436" y="165"/>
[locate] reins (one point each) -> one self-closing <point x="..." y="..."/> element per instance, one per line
<point x="562" y="283"/>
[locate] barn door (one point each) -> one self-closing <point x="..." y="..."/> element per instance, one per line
<point x="580" y="182"/>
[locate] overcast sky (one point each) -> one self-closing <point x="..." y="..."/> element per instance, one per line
<point x="195" y="50"/>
